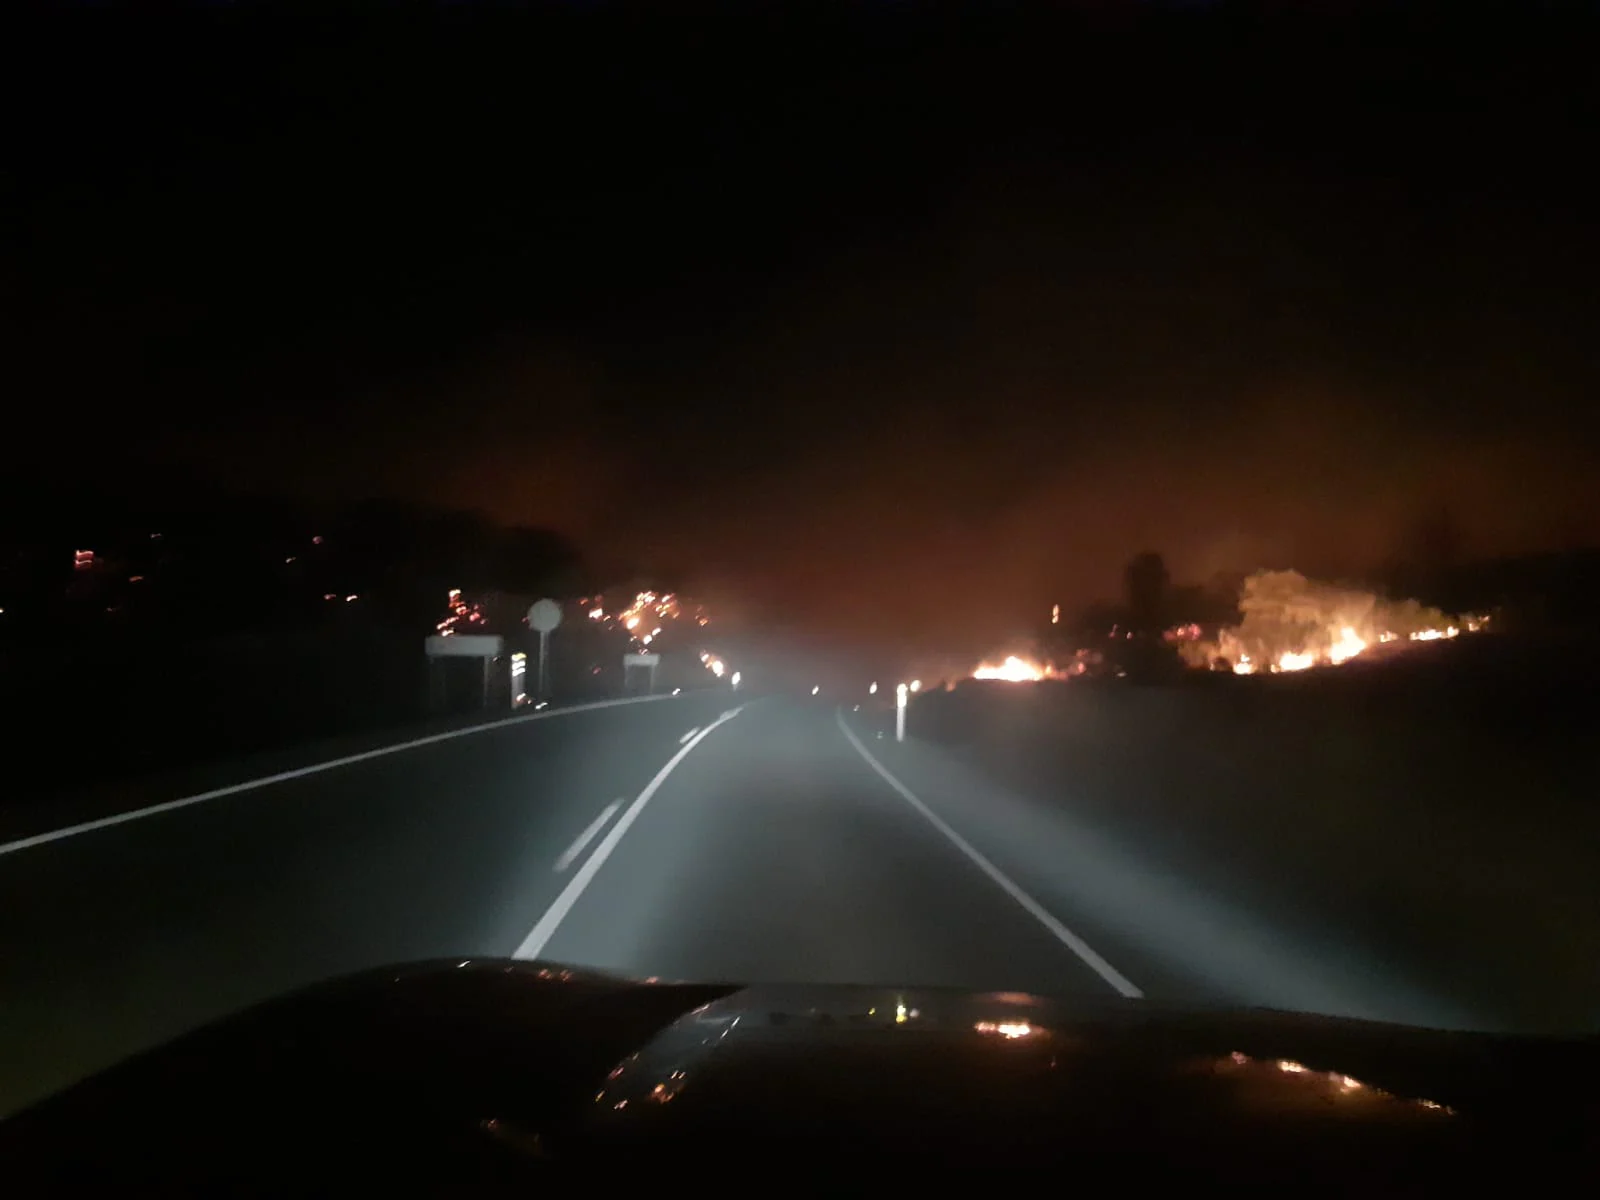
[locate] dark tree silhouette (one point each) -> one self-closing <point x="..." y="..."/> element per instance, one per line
<point x="1145" y="587"/>
<point x="1428" y="552"/>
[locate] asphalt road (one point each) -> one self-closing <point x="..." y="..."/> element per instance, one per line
<point x="697" y="837"/>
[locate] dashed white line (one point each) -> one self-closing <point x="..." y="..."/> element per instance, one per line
<point x="55" y="835"/>
<point x="584" y="838"/>
<point x="688" y="735"/>
<point x="539" y="936"/>
<point x="1065" y="936"/>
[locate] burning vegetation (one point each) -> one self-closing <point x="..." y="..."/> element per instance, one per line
<point x="1291" y="623"/>
<point x="1286" y="622"/>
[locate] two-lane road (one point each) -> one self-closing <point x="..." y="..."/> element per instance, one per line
<point x="694" y="838"/>
<point x="775" y="852"/>
<point x="116" y="937"/>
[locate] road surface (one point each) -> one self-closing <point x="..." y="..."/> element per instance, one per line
<point x="695" y="837"/>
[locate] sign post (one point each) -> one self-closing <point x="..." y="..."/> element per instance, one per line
<point x="519" y="679"/>
<point x="543" y="616"/>
<point x="900" y="694"/>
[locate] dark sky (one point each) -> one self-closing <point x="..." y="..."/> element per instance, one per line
<point x="896" y="319"/>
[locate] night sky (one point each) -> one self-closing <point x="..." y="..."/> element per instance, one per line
<point x="893" y="323"/>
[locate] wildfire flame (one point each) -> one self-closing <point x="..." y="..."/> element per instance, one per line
<point x="1007" y="1029"/>
<point x="1292" y="623"/>
<point x="1346" y="645"/>
<point x="1013" y="670"/>
<point x="460" y="613"/>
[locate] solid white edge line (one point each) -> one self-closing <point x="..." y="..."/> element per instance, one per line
<point x="688" y="735"/>
<point x="587" y="835"/>
<point x="539" y="936"/>
<point x="1065" y="936"/>
<point x="54" y="835"/>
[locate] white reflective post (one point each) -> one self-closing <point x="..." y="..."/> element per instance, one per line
<point x="900" y="694"/>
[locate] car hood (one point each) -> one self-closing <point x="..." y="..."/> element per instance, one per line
<point x="485" y="1070"/>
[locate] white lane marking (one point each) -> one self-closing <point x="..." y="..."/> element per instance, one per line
<point x="1065" y="936"/>
<point x="688" y="735"/>
<point x="587" y="835"/>
<point x="539" y="936"/>
<point x="54" y="835"/>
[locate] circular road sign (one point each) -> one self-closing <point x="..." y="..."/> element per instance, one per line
<point x="544" y="615"/>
